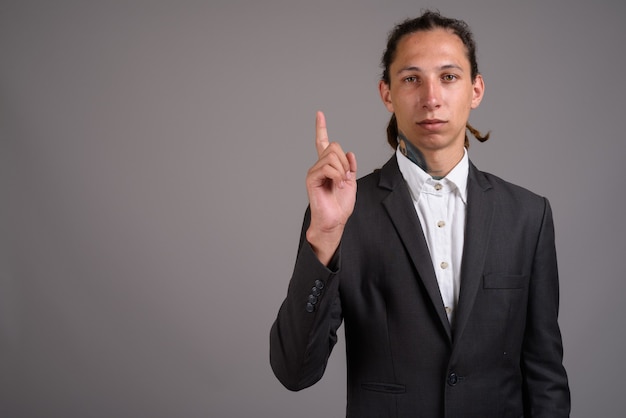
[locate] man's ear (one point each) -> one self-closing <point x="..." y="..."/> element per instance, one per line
<point x="478" y="91"/>
<point x="385" y="95"/>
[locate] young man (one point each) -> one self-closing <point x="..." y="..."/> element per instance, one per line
<point x="445" y="276"/>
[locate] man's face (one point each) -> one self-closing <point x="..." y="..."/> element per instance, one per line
<point x="431" y="90"/>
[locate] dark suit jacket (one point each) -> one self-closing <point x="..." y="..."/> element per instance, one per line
<point x="503" y="355"/>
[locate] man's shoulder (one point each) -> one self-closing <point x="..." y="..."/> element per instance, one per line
<point x="503" y="189"/>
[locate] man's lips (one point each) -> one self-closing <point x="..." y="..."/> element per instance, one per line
<point x="431" y="124"/>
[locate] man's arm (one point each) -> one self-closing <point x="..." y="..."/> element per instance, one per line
<point x="546" y="387"/>
<point x="304" y="332"/>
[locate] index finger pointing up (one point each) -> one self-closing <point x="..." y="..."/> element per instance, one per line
<point x="321" y="134"/>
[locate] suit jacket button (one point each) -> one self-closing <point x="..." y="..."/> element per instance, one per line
<point x="312" y="300"/>
<point x="310" y="307"/>
<point x="315" y="291"/>
<point x="453" y="379"/>
<point x="319" y="284"/>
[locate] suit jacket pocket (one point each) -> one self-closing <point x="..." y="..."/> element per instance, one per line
<point x="504" y="281"/>
<point x="383" y="387"/>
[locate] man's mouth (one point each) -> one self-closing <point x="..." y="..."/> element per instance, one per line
<point x="431" y="124"/>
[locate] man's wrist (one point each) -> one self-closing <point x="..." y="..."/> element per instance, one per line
<point x="324" y="244"/>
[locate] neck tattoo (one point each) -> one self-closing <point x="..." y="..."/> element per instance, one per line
<point x="411" y="152"/>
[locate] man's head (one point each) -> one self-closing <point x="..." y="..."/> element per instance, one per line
<point x="413" y="41"/>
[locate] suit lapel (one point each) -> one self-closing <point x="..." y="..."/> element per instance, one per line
<point x="399" y="205"/>
<point x="477" y="232"/>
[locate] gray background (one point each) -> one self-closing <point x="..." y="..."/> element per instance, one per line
<point x="152" y="164"/>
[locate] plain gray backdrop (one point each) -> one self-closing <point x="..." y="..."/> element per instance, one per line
<point x="152" y="165"/>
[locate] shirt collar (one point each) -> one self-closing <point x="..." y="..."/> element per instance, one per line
<point x="421" y="182"/>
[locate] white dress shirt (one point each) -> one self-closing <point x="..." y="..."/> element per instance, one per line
<point x="441" y="206"/>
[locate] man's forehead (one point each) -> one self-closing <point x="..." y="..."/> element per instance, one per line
<point x="441" y="46"/>
<point x="432" y="40"/>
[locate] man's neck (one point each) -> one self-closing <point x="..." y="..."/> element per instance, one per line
<point x="437" y="163"/>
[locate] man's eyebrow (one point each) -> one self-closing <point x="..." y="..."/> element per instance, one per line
<point x="405" y="69"/>
<point x="451" y="66"/>
<point x="418" y="69"/>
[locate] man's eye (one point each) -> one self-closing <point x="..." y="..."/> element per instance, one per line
<point x="449" y="77"/>
<point x="410" y="79"/>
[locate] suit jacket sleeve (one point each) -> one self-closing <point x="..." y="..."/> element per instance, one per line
<point x="545" y="380"/>
<point x="305" y="330"/>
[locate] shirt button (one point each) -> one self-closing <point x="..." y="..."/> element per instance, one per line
<point x="441" y="224"/>
<point x="438" y="186"/>
<point x="448" y="310"/>
<point x="444" y="265"/>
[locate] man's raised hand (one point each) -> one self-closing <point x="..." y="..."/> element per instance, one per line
<point x="331" y="186"/>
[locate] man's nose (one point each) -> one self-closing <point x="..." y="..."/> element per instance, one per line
<point x="431" y="95"/>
